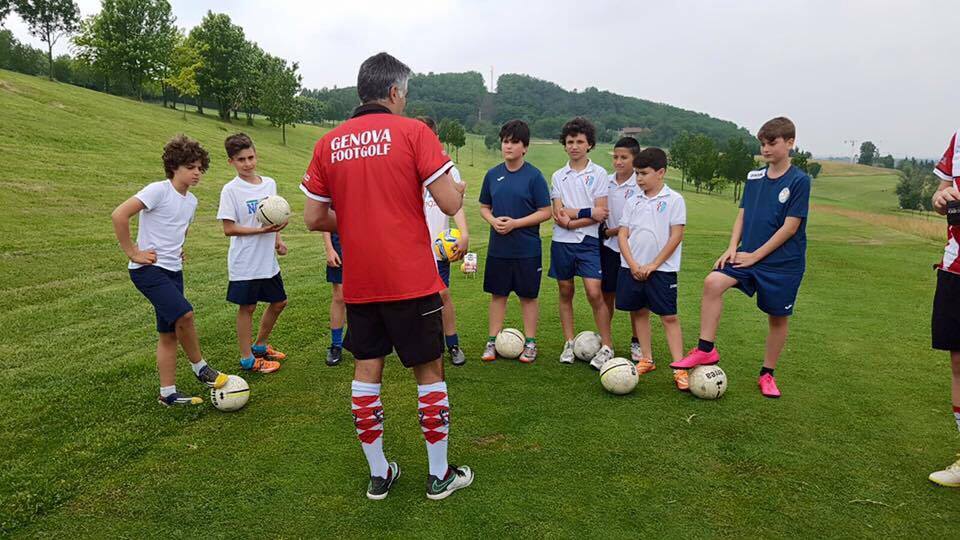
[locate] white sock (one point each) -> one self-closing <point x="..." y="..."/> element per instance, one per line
<point x="368" y="419"/>
<point x="198" y="366"/>
<point x="956" y="416"/>
<point x="168" y="390"/>
<point x="434" y="412"/>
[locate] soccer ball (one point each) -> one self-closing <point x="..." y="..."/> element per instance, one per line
<point x="445" y="244"/>
<point x="586" y="345"/>
<point x="509" y="343"/>
<point x="619" y="376"/>
<point x="274" y="210"/>
<point x="231" y="396"/>
<point x="707" y="382"/>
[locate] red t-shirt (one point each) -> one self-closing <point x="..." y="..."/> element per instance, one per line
<point x="948" y="169"/>
<point x="372" y="169"/>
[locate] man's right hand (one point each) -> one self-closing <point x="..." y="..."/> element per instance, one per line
<point x="942" y="197"/>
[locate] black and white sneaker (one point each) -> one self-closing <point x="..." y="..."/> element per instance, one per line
<point x="334" y="355"/>
<point x="177" y="399"/>
<point x="456" y="478"/>
<point x="211" y="377"/>
<point x="380" y="487"/>
<point x="457" y="357"/>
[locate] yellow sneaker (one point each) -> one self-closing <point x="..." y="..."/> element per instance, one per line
<point x="680" y="377"/>
<point x="645" y="365"/>
<point x="949" y="477"/>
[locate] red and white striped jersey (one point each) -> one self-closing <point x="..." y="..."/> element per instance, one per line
<point x="948" y="170"/>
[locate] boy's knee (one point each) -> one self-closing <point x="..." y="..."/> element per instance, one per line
<point x="715" y="284"/>
<point x="566" y="290"/>
<point x="279" y="306"/>
<point x="185" y="319"/>
<point x="669" y="319"/>
<point x="247" y="309"/>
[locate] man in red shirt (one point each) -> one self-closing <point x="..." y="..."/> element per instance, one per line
<point x="372" y="169"/>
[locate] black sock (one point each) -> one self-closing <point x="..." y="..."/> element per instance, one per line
<point x="705" y="346"/>
<point x="765" y="370"/>
<point x="634" y="340"/>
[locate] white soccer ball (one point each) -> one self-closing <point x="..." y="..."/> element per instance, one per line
<point x="274" y="210"/>
<point x="619" y="376"/>
<point x="586" y="345"/>
<point x="509" y="343"/>
<point x="707" y="382"/>
<point x="231" y="396"/>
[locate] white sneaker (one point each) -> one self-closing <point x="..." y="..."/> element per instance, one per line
<point x="567" y="357"/>
<point x="636" y="353"/>
<point x="949" y="477"/>
<point x="605" y="353"/>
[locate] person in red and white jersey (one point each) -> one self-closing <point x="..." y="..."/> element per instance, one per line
<point x="373" y="169"/>
<point x="946" y="301"/>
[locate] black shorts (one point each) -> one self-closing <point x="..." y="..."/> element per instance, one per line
<point x="335" y="273"/>
<point x="658" y="293"/>
<point x="501" y="276"/>
<point x="945" y="323"/>
<point x="164" y="289"/>
<point x="414" y="328"/>
<point x="610" y="269"/>
<point x="251" y="291"/>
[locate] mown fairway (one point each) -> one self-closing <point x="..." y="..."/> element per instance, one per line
<point x="86" y="451"/>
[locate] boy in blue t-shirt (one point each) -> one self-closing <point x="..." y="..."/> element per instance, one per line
<point x="514" y="200"/>
<point x="766" y="255"/>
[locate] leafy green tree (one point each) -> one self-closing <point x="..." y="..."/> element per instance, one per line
<point x="186" y="61"/>
<point x="5" y="7"/>
<point x="457" y="137"/>
<point x="736" y="161"/>
<point x="801" y="160"/>
<point x="247" y="88"/>
<point x="680" y="155"/>
<point x="814" y="169"/>
<point x="887" y="162"/>
<point x="49" y="20"/>
<point x="280" y="85"/>
<point x="220" y="40"/>
<point x="868" y="153"/>
<point x="703" y="161"/>
<point x="311" y="110"/>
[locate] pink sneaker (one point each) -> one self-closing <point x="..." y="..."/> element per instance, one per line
<point x="695" y="358"/>
<point x="768" y="386"/>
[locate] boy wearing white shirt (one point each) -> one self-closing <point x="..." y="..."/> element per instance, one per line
<point x="165" y="211"/>
<point x="650" y="237"/>
<point x="581" y="186"/>
<point x="253" y="267"/>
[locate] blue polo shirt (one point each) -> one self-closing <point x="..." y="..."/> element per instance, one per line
<point x="517" y="195"/>
<point x="766" y="203"/>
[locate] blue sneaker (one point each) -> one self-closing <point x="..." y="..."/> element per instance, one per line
<point x="177" y="399"/>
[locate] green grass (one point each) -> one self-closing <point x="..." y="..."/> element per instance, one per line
<point x="87" y="452"/>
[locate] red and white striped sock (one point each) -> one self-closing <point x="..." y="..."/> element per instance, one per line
<point x="368" y="418"/>
<point x="434" y="413"/>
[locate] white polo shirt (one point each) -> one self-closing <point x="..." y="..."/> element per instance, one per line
<point x="437" y="221"/>
<point x="163" y="223"/>
<point x="578" y="190"/>
<point x="649" y="220"/>
<point x="617" y="197"/>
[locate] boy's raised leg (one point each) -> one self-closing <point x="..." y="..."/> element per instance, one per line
<point x="711" y="308"/>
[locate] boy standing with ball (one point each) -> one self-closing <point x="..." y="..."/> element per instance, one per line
<point x="252" y="265"/>
<point x="766" y="255"/>
<point x="166" y="209"/>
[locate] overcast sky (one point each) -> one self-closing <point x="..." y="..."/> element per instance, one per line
<point x="859" y="69"/>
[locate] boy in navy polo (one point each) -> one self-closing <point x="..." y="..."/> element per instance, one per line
<point x="251" y="261"/>
<point x="575" y="250"/>
<point x="650" y="237"/>
<point x="766" y="255"/>
<point x="166" y="209"/>
<point x="514" y="200"/>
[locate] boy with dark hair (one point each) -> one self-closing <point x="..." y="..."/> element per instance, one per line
<point x="946" y="302"/>
<point x="622" y="186"/>
<point x="575" y="250"/>
<point x="437" y="222"/>
<point x="514" y="200"/>
<point x="166" y="209"/>
<point x="766" y="255"/>
<point x="650" y="237"/>
<point x="253" y="269"/>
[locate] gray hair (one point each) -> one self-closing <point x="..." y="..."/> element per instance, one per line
<point x="378" y="74"/>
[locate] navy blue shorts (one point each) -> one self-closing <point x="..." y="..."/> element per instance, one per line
<point x="569" y="260"/>
<point x="521" y="276"/>
<point x="610" y="265"/>
<point x="776" y="291"/>
<point x="335" y="274"/>
<point x="164" y="289"/>
<point x="251" y="291"/>
<point x="658" y="293"/>
<point x="443" y="267"/>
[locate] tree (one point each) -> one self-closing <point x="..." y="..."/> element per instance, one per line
<point x="247" y="88"/>
<point x="814" y="169"/>
<point x="49" y="20"/>
<point x="702" y="161"/>
<point x="457" y="137"/>
<point x="680" y="155"/>
<point x="801" y="160"/>
<point x="133" y="38"/>
<point x="311" y="109"/>
<point x="280" y="86"/>
<point x="887" y="162"/>
<point x="185" y="61"/>
<point x="5" y="7"/>
<point x="868" y="153"/>
<point x="734" y="164"/>
<point x="220" y="40"/>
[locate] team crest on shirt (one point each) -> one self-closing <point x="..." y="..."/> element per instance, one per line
<point x="784" y="195"/>
<point x="661" y="207"/>
<point x="589" y="180"/>
<point x="628" y="194"/>
<point x="252" y="205"/>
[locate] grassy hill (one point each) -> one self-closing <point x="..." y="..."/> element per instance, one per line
<point x="86" y="452"/>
